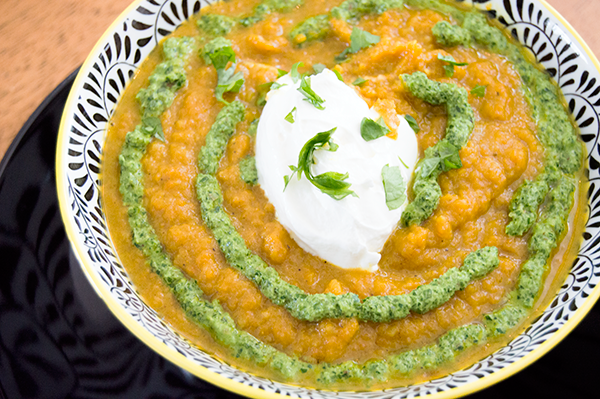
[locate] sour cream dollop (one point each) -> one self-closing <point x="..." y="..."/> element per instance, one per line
<point x="351" y="232"/>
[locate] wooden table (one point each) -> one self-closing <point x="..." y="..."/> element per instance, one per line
<point x="43" y="41"/>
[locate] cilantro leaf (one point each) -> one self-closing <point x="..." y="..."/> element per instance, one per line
<point x="330" y="183"/>
<point x="447" y="157"/>
<point x="290" y="117"/>
<point x="359" y="81"/>
<point x="450" y="159"/>
<point x="359" y="39"/>
<point x="412" y="122"/>
<point x="281" y="72"/>
<point x="479" y="91"/>
<point x="371" y="130"/>
<point x="294" y="73"/>
<point x="219" y="53"/>
<point x="310" y="94"/>
<point x="228" y="81"/>
<point x="153" y="126"/>
<point x="394" y="186"/>
<point x="318" y="68"/>
<point x="449" y="69"/>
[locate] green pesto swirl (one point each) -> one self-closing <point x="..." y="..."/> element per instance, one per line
<point x="303" y="306"/>
<point x="318" y="27"/>
<point x="563" y="158"/>
<point x="442" y="156"/>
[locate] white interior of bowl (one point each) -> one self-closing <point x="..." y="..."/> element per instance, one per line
<point x="106" y="73"/>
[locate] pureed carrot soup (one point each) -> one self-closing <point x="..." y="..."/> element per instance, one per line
<point x="353" y="194"/>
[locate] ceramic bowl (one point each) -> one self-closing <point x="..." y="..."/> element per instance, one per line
<point x="113" y="62"/>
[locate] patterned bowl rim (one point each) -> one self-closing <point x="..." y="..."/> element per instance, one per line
<point x="215" y="378"/>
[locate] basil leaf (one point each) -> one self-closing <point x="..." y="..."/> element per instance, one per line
<point x="449" y="69"/>
<point x="371" y="130"/>
<point x="294" y="73"/>
<point x="318" y="68"/>
<point x="359" y="39"/>
<point x="290" y="117"/>
<point x="479" y="91"/>
<point x="359" y="81"/>
<point x="228" y="81"/>
<point x="394" y="186"/>
<point x="412" y="122"/>
<point x="153" y="126"/>
<point x="310" y="94"/>
<point x="330" y="183"/>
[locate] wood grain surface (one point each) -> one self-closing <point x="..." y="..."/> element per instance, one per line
<point x="44" y="41"/>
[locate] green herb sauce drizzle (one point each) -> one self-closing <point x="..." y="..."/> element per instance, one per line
<point x="318" y="27"/>
<point x="442" y="156"/>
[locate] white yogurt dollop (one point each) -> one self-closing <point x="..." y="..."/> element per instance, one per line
<point x="351" y="232"/>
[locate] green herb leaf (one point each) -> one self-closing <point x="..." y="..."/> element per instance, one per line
<point x="330" y="183"/>
<point x="221" y="57"/>
<point x="338" y="74"/>
<point x="276" y="86"/>
<point x="153" y="126"/>
<point x="281" y="72"/>
<point x="310" y="94"/>
<point x="428" y="165"/>
<point x="479" y="91"/>
<point x="228" y="81"/>
<point x="359" y="81"/>
<point x="294" y="73"/>
<point x="359" y="39"/>
<point x="412" y="122"/>
<point x="290" y="117"/>
<point x="450" y="159"/>
<point x="371" y="130"/>
<point x="318" y="68"/>
<point x="394" y="186"/>
<point x="449" y="69"/>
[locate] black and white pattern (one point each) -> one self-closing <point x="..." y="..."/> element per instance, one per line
<point x="113" y="64"/>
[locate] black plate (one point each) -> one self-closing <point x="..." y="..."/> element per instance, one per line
<point x="59" y="340"/>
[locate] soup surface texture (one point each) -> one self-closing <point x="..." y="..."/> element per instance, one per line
<point x="491" y="212"/>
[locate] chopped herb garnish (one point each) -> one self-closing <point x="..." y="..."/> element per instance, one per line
<point x="219" y="53"/>
<point x="330" y="183"/>
<point x="359" y="39"/>
<point x="153" y="125"/>
<point x="294" y="73"/>
<point x="338" y="74"/>
<point x="290" y="117"/>
<point x="310" y="94"/>
<point x="318" y="68"/>
<point x="405" y="165"/>
<point x="479" y="91"/>
<point x="449" y="69"/>
<point x="412" y="122"/>
<point x="276" y="85"/>
<point x="448" y="158"/>
<point x="359" y="81"/>
<point x="394" y="186"/>
<point x="371" y="130"/>
<point x="253" y="127"/>
<point x="281" y="72"/>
